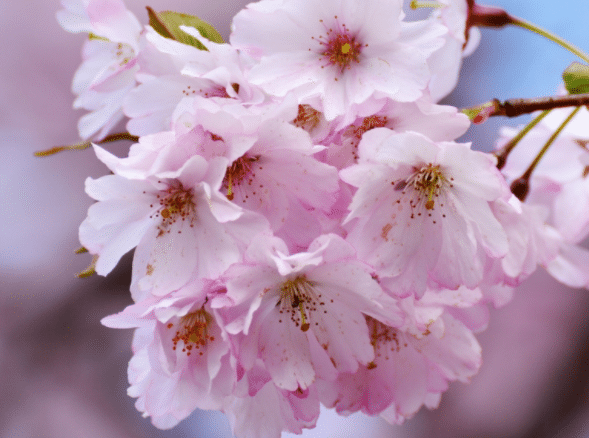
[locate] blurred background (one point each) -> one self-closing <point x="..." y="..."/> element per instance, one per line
<point x="63" y="375"/>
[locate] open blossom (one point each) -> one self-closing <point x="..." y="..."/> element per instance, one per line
<point x="560" y="180"/>
<point x="421" y="215"/>
<point x="181" y="355"/>
<point x="412" y="364"/>
<point x="303" y="314"/>
<point x="339" y="52"/>
<point x="179" y="222"/>
<point x="107" y="73"/>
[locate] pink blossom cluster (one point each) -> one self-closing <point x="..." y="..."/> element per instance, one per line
<point x="306" y="229"/>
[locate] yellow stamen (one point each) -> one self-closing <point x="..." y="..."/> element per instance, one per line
<point x="346" y="48"/>
<point x="230" y="195"/>
<point x="304" y="323"/>
<point x="425" y="4"/>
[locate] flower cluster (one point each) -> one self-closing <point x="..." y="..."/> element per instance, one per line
<point x="306" y="229"/>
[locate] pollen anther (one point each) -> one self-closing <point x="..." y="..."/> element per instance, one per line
<point x="298" y="297"/>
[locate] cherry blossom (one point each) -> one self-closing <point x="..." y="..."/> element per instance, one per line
<point x="107" y="73"/>
<point x="260" y="408"/>
<point x="179" y="222"/>
<point x="414" y="363"/>
<point x="181" y="359"/>
<point x="302" y="314"/>
<point x="214" y="73"/>
<point x="421" y="215"/>
<point x="341" y="52"/>
<point x="438" y="122"/>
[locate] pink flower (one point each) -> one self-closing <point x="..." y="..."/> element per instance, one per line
<point x="178" y="220"/>
<point x="181" y="355"/>
<point x="459" y="42"/>
<point x="558" y="184"/>
<point x="107" y="73"/>
<point x="302" y="314"/>
<point x="265" y="410"/>
<point x="421" y="215"/>
<point x="339" y="51"/>
<point x="412" y="364"/>
<point x="215" y="73"/>
<point x="439" y="123"/>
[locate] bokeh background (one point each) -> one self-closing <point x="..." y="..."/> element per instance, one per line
<point x="63" y="375"/>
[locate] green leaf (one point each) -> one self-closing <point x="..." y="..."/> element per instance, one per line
<point x="576" y="78"/>
<point x="167" y="24"/>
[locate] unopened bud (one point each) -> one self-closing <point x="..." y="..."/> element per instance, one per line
<point x="520" y="188"/>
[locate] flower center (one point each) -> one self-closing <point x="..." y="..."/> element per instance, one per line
<point x="176" y="202"/>
<point x="427" y="181"/>
<point x="240" y="170"/>
<point x="193" y="332"/>
<point x="339" y="48"/>
<point x="124" y="53"/>
<point x="298" y="298"/>
<point x="307" y="118"/>
<point x="355" y="132"/>
<point x="384" y="339"/>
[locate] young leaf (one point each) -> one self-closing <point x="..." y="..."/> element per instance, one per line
<point x="576" y="78"/>
<point x="167" y="24"/>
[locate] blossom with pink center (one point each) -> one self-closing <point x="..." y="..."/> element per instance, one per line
<point x="339" y="51"/>
<point x="412" y="364"/>
<point x="438" y="122"/>
<point x="181" y="355"/>
<point x="179" y="222"/>
<point x="421" y="214"/>
<point x="303" y="314"/>
<point x="107" y="73"/>
<point x="279" y="178"/>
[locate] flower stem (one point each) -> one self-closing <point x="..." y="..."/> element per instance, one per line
<point x="521" y="186"/>
<point x="552" y="37"/>
<point x="86" y="144"/>
<point x="504" y="153"/>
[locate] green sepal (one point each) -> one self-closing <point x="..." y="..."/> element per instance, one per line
<point x="167" y="24"/>
<point x="576" y="78"/>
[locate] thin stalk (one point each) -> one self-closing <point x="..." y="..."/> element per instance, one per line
<point x="550" y="141"/>
<point x="521" y="186"/>
<point x="502" y="156"/>
<point x="552" y="37"/>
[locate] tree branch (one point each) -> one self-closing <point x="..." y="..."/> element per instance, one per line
<point x="518" y="107"/>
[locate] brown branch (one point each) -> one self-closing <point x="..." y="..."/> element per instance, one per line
<point x="518" y="107"/>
